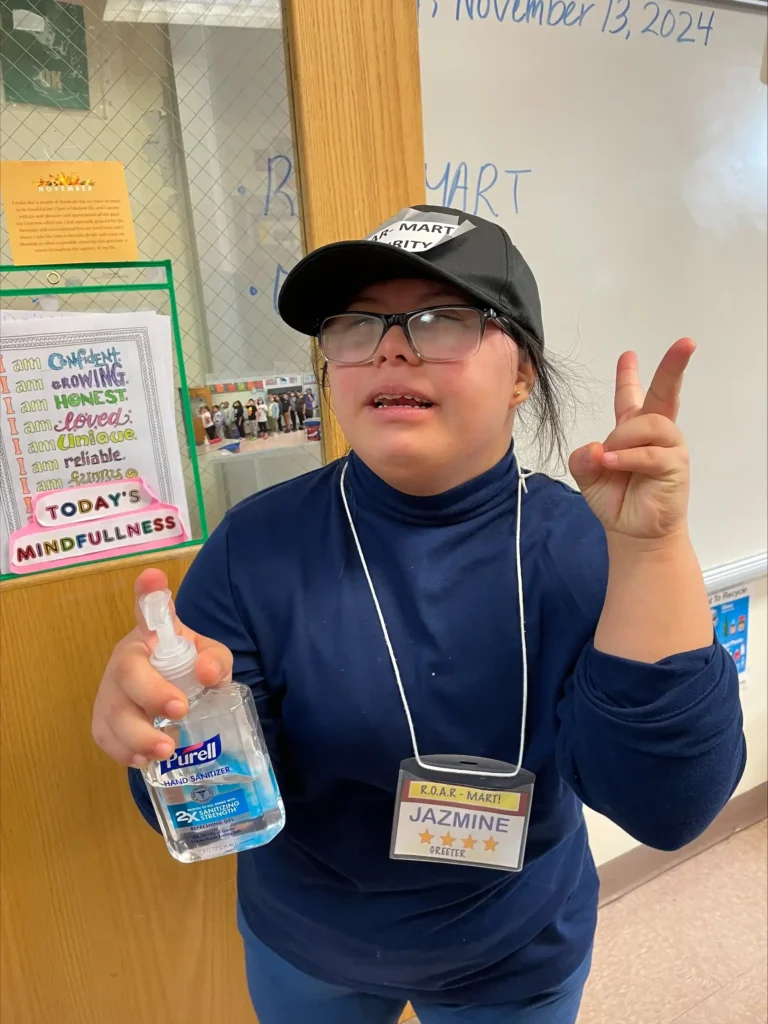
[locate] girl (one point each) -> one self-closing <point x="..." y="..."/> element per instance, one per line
<point x="285" y="412"/>
<point x="207" y="420"/>
<point x="228" y="419"/>
<point x="251" y="421"/>
<point x="261" y="417"/>
<point x="218" y="422"/>
<point x="301" y="409"/>
<point x="239" y="416"/>
<point x="456" y="606"/>
<point x="274" y="415"/>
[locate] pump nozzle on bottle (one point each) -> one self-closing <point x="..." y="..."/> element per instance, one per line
<point x="174" y="657"/>
<point x="156" y="609"/>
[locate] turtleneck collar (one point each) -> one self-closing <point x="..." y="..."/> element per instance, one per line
<point x="470" y="500"/>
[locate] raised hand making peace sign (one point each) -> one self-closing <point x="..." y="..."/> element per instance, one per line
<point x="637" y="481"/>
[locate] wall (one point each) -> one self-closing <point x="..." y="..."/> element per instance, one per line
<point x="608" y="840"/>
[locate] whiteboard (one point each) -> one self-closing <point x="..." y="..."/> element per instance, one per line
<point x="630" y="169"/>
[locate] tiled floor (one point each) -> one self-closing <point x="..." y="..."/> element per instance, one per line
<point x="689" y="947"/>
<point x="249" y="445"/>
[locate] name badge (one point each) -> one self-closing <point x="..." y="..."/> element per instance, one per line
<point x="474" y="820"/>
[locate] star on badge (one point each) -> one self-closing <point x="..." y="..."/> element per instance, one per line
<point x="490" y="843"/>
<point x="447" y="839"/>
<point x="469" y="842"/>
<point x="426" y="837"/>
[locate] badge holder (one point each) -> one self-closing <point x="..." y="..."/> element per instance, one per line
<point x="472" y="818"/>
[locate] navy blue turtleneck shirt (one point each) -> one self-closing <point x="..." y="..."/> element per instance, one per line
<point x="656" y="748"/>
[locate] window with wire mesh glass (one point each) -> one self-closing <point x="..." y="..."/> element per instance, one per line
<point x="192" y="98"/>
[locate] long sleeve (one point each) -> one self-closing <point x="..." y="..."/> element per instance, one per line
<point x="206" y="603"/>
<point x="658" y="749"/>
<point x="140" y="794"/>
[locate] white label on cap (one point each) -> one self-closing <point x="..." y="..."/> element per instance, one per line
<point x="417" y="230"/>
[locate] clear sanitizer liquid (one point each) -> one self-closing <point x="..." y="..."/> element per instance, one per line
<point x="217" y="793"/>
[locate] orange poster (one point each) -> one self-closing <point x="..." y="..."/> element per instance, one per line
<point x="67" y="212"/>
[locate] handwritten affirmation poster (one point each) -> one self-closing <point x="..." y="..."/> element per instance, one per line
<point x="86" y="399"/>
<point x="67" y="212"/>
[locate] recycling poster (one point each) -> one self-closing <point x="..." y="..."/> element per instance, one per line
<point x="730" y="618"/>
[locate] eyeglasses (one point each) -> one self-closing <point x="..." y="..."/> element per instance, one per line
<point x="439" y="334"/>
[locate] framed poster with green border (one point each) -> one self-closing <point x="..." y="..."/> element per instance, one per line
<point x="83" y="336"/>
<point x="43" y="54"/>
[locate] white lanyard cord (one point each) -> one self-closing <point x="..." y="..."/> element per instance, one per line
<point x="395" y="667"/>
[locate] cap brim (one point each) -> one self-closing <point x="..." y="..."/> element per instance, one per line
<point x="326" y="281"/>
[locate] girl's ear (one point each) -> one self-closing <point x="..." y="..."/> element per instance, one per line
<point x="524" y="381"/>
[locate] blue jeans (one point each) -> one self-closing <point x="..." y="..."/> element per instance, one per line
<point x="282" y="994"/>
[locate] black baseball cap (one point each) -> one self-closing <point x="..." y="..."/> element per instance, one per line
<point x="434" y="242"/>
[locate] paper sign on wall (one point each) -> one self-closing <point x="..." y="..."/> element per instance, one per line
<point x="67" y="212"/>
<point x="730" y="618"/>
<point x="81" y="524"/>
<point x="86" y="400"/>
<point x="44" y="54"/>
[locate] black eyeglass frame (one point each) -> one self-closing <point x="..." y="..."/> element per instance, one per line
<point x="402" y="320"/>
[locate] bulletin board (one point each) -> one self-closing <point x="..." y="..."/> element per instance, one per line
<point x="97" y="451"/>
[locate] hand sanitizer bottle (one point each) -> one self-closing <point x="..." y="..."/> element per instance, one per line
<point x="217" y="793"/>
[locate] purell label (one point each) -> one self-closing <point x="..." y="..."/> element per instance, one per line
<point x="418" y="230"/>
<point x="197" y="753"/>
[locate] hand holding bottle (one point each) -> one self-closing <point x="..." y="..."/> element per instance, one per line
<point x="132" y="693"/>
